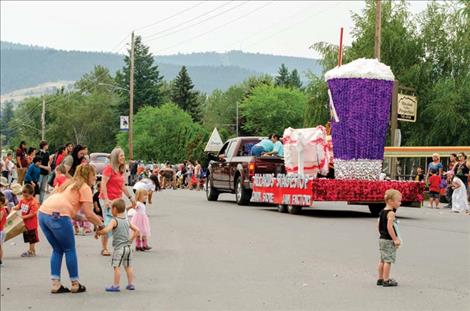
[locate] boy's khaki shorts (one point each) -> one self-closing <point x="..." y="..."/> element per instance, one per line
<point x="122" y="257"/>
<point x="388" y="251"/>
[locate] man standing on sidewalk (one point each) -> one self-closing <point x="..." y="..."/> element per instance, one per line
<point x="21" y="162"/>
<point x="45" y="169"/>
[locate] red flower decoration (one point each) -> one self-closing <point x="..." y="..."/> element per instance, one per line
<point x="364" y="190"/>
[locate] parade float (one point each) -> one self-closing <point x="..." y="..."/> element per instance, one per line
<point x="360" y="100"/>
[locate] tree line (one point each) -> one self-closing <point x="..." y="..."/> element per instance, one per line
<point x="172" y="121"/>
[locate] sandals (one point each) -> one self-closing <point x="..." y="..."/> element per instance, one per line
<point x="112" y="288"/>
<point x="80" y="289"/>
<point x="61" y="290"/>
<point x="390" y="283"/>
<point x="28" y="254"/>
<point x="130" y="287"/>
<point x="104" y="252"/>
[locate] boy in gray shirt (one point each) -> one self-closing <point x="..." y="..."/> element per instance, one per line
<point x="122" y="254"/>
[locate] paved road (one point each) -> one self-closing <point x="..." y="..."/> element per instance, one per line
<point x="220" y="256"/>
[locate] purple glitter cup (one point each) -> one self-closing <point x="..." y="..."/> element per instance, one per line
<point x="361" y="93"/>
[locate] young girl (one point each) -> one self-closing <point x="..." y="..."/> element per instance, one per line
<point x="60" y="176"/>
<point x="459" y="196"/>
<point x="141" y="221"/>
<point x="29" y="207"/>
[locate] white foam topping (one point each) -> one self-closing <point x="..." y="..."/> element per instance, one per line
<point x="361" y="68"/>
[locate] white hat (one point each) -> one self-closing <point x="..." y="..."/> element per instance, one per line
<point x="4" y="181"/>
<point x="16" y="188"/>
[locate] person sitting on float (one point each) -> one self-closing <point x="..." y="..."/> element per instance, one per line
<point x="278" y="149"/>
<point x="265" y="146"/>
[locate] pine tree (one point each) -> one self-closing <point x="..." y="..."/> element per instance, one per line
<point x="294" y="80"/>
<point x="6" y="116"/>
<point x="183" y="95"/>
<point x="282" y="79"/>
<point x="147" y="79"/>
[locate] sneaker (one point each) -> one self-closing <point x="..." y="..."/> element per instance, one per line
<point x="147" y="248"/>
<point x="380" y="282"/>
<point x="130" y="287"/>
<point x="113" y="288"/>
<point x="390" y="283"/>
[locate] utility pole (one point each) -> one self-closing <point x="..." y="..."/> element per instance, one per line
<point x="393" y="128"/>
<point x="237" y="119"/>
<point x="378" y="29"/>
<point x="131" y="100"/>
<point x="43" y="120"/>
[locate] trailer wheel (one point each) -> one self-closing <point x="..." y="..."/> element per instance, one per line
<point x="282" y="208"/>
<point x="376" y="208"/>
<point x="211" y="193"/>
<point x="294" y="210"/>
<point x="242" y="195"/>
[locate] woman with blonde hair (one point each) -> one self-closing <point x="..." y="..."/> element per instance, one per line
<point x="112" y="188"/>
<point x="435" y="165"/>
<point x="55" y="218"/>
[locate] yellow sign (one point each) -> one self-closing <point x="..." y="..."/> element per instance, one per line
<point x="407" y="107"/>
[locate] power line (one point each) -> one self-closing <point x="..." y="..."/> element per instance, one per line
<point x="170" y="17"/>
<point x="286" y="28"/>
<point x="188" y="21"/>
<point x="148" y="39"/>
<point x="261" y="31"/>
<point x="215" y="28"/>
<point x="120" y="44"/>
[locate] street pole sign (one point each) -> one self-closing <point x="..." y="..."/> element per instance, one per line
<point x="124" y="123"/>
<point x="215" y="142"/>
<point x="407" y="107"/>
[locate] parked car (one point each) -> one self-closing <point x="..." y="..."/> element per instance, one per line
<point x="99" y="161"/>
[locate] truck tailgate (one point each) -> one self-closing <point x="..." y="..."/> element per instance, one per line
<point x="269" y="165"/>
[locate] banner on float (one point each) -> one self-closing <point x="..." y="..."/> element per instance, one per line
<point x="290" y="189"/>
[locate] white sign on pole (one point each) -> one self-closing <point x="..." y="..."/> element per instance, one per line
<point x="407" y="107"/>
<point x="215" y="142"/>
<point x="124" y="123"/>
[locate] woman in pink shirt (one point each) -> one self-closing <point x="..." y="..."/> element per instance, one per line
<point x="55" y="218"/>
<point x="112" y="188"/>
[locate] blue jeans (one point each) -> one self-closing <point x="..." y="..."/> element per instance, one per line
<point x="43" y="179"/>
<point x="59" y="232"/>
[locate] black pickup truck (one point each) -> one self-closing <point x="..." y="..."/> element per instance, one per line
<point x="232" y="170"/>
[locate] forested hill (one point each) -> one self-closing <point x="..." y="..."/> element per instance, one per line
<point x="24" y="66"/>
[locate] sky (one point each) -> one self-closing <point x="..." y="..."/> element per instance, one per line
<point x="272" y="27"/>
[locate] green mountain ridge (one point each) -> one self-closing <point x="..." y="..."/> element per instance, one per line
<point x="23" y="66"/>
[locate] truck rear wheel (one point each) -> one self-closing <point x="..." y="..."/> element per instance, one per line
<point x="282" y="208"/>
<point x="294" y="210"/>
<point x="376" y="208"/>
<point x="242" y="195"/>
<point x="211" y="193"/>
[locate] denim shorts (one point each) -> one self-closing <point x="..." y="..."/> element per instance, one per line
<point x="106" y="215"/>
<point x="434" y="195"/>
